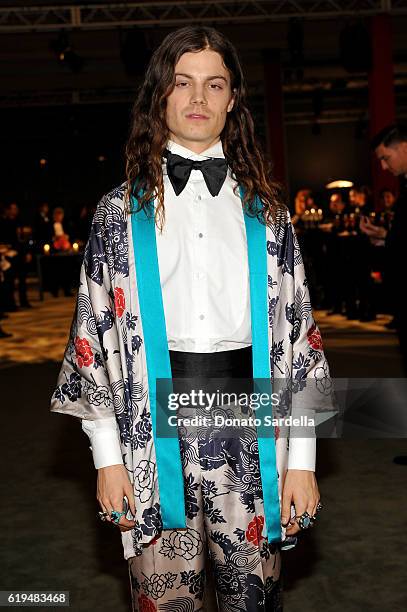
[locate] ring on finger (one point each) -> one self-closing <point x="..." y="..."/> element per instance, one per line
<point x="303" y="520"/>
<point x="115" y="515"/>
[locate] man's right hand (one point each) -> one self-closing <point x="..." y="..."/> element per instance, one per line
<point x="374" y="232"/>
<point x="112" y="485"/>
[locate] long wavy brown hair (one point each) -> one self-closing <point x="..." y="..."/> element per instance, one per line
<point x="149" y="132"/>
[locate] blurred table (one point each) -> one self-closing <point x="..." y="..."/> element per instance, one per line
<point x="58" y="269"/>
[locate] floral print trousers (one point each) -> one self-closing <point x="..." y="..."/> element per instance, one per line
<point x="225" y="531"/>
<point x="169" y="573"/>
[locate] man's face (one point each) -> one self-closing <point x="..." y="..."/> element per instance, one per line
<point x="12" y="211"/>
<point x="198" y="105"/>
<point x="393" y="158"/>
<point x="336" y="205"/>
<point x="388" y="199"/>
<point x="353" y="197"/>
<point x="360" y="198"/>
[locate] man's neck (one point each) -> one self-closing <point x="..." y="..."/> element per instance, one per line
<point x="192" y="145"/>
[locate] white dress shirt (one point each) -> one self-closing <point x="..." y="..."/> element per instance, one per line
<point x="202" y="258"/>
<point x="202" y="255"/>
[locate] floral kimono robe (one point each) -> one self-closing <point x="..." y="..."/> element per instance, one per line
<point x="104" y="369"/>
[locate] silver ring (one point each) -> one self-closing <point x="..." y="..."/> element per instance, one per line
<point x="304" y="520"/>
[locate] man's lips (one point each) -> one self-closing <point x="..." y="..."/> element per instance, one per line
<point x="196" y="116"/>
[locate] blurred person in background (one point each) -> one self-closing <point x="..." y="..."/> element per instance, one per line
<point x="357" y="258"/>
<point x="60" y="238"/>
<point x="42" y="226"/>
<point x="336" y="204"/>
<point x="12" y="233"/>
<point x="362" y="201"/>
<point x="387" y="201"/>
<point x="383" y="218"/>
<point x="60" y="269"/>
<point x="84" y="222"/>
<point x="334" y="269"/>
<point x="390" y="146"/>
<point x="306" y="221"/>
<point x="4" y="265"/>
<point x="301" y="202"/>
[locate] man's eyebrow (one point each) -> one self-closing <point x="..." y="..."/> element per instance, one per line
<point x="209" y="78"/>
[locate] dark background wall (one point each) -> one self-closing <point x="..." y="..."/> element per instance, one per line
<point x="73" y="138"/>
<point x="72" y="118"/>
<point x="335" y="153"/>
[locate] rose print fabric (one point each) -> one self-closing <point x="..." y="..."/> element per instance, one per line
<point x="104" y="371"/>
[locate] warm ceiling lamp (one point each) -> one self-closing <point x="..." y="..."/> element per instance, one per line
<point x="339" y="185"/>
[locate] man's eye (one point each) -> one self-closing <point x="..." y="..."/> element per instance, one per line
<point x="182" y="83"/>
<point x="215" y="85"/>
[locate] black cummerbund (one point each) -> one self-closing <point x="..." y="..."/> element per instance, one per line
<point x="221" y="371"/>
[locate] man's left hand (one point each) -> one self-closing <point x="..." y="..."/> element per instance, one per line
<point x="300" y="488"/>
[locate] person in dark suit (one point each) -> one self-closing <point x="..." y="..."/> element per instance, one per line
<point x="390" y="146"/>
<point x="4" y="265"/>
<point x="11" y="233"/>
<point x="42" y="226"/>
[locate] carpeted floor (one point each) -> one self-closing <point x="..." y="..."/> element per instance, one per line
<point x="353" y="560"/>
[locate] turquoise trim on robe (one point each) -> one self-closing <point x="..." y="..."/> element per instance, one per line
<point x="257" y="256"/>
<point x="169" y="467"/>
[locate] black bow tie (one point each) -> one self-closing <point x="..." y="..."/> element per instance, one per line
<point x="179" y="168"/>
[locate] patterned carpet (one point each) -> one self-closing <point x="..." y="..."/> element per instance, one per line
<point x="40" y="335"/>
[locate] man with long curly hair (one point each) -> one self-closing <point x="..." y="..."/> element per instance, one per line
<point x="192" y="271"/>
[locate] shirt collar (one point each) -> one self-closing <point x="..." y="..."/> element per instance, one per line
<point x="216" y="150"/>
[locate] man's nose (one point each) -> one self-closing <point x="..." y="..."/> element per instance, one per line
<point x="198" y="94"/>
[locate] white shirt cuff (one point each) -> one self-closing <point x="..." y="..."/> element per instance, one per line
<point x="302" y="454"/>
<point x="105" y="441"/>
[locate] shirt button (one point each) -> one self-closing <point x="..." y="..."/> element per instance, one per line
<point x="199" y="197"/>
<point x="201" y="317"/>
<point x="200" y="235"/>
